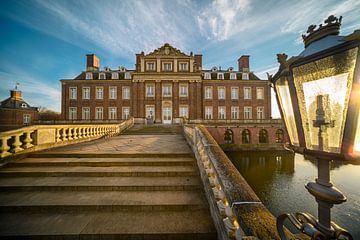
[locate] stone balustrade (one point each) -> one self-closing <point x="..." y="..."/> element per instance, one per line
<point x="236" y="210"/>
<point x="38" y="137"/>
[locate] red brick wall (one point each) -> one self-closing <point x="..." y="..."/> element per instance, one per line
<point x="13" y="118"/>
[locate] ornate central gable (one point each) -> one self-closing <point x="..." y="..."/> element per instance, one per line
<point x="167" y="50"/>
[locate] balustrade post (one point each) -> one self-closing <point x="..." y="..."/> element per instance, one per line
<point x="17" y="144"/>
<point x="64" y="136"/>
<point x="28" y="140"/>
<point x="4" y="147"/>
<point x="70" y="134"/>
<point x="76" y="133"/>
<point x="58" y="136"/>
<point x="80" y="132"/>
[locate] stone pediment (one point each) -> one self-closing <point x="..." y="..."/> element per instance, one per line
<point x="167" y="50"/>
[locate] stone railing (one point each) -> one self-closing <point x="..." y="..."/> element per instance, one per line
<point x="236" y="210"/>
<point x="235" y="121"/>
<point x="38" y="137"/>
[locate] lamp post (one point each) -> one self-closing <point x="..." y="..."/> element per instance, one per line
<point x="318" y="92"/>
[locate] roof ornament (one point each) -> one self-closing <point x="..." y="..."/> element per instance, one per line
<point x="16" y="86"/>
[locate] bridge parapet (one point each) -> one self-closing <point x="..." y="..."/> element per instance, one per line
<point x="39" y="137"/>
<point x="236" y="210"/>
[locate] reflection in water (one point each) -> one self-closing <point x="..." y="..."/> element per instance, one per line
<point x="279" y="179"/>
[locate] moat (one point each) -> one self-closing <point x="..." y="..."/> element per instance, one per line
<point x="278" y="178"/>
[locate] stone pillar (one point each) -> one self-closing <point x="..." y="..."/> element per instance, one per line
<point x="175" y="93"/>
<point x="141" y="98"/>
<point x="134" y="99"/>
<point x="199" y="98"/>
<point x="192" y="100"/>
<point x="158" y="101"/>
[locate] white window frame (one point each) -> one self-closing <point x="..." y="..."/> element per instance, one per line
<point x="247" y="112"/>
<point x="127" y="75"/>
<point x="102" y="76"/>
<point x="260" y="113"/>
<point x="183" y="66"/>
<point x="184" y="111"/>
<point x="184" y="90"/>
<point x="152" y="64"/>
<point x="166" y="69"/>
<point x="221" y="93"/>
<point x="245" y="76"/>
<point x="150" y="93"/>
<point x="247" y="93"/>
<point x="125" y="112"/>
<point x="125" y="92"/>
<point x="26" y="119"/>
<point x="259" y="93"/>
<point x="167" y="90"/>
<point x="208" y="112"/>
<point x="86" y="94"/>
<point x="88" y="75"/>
<point x="112" y="113"/>
<point x="234" y="112"/>
<point x="222" y="112"/>
<point x="99" y="92"/>
<point x="207" y="76"/>
<point x="99" y="113"/>
<point x="73" y="93"/>
<point x="72" y="113"/>
<point x="208" y="92"/>
<point x="86" y="114"/>
<point x="115" y="75"/>
<point x="232" y="76"/>
<point x="112" y="92"/>
<point x="220" y="76"/>
<point x="234" y="93"/>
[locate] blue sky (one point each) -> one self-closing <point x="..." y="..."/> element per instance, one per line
<point x="44" y="41"/>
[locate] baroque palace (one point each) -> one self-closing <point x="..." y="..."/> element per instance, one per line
<point x="165" y="86"/>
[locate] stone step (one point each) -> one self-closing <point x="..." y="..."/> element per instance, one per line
<point x="69" y="201"/>
<point x="191" y="224"/>
<point x="99" y="184"/>
<point x="55" y="154"/>
<point x="84" y="171"/>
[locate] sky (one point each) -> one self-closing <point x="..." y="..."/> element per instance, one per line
<point x="43" y="41"/>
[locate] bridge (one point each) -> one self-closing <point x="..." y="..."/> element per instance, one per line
<point x="124" y="181"/>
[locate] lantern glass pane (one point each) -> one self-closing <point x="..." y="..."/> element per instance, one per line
<point x="283" y="93"/>
<point x="323" y="88"/>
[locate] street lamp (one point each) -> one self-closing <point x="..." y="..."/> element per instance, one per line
<point x="318" y="92"/>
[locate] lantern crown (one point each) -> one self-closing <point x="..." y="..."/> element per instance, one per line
<point x="331" y="27"/>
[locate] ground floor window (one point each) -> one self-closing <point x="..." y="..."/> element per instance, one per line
<point x="222" y="113"/>
<point x="279" y="136"/>
<point x="125" y="113"/>
<point x="263" y="136"/>
<point x="112" y="113"/>
<point x="208" y="113"/>
<point x="26" y="119"/>
<point x="86" y="113"/>
<point x="99" y="113"/>
<point x="184" y="111"/>
<point x="72" y="113"/>
<point x="245" y="135"/>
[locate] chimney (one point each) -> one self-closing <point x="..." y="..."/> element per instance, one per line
<point x="243" y="62"/>
<point x="198" y="61"/>
<point x="92" y="62"/>
<point x="16" y="94"/>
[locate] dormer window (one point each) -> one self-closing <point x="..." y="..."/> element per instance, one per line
<point x="220" y="76"/>
<point x="23" y="105"/>
<point x="89" y="75"/>
<point x="232" y="76"/>
<point x="207" y="75"/>
<point x="167" y="67"/>
<point x="102" y="76"/>
<point x="127" y="75"/>
<point x="245" y="76"/>
<point x="115" y="75"/>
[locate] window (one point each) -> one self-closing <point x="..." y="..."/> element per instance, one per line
<point x="126" y="92"/>
<point x="150" y="90"/>
<point x="26" y="119"/>
<point x="183" y="90"/>
<point x="245" y="76"/>
<point x="207" y="75"/>
<point x="221" y="93"/>
<point x="245" y="135"/>
<point x="184" y="111"/>
<point x="150" y="66"/>
<point x="220" y="76"/>
<point x="234" y="112"/>
<point x="127" y="75"/>
<point x="112" y="113"/>
<point x="247" y="113"/>
<point x="232" y="76"/>
<point x="72" y="113"/>
<point x="183" y="66"/>
<point x="279" y="136"/>
<point x="221" y="113"/>
<point x="247" y="92"/>
<point x="259" y="93"/>
<point x="208" y="112"/>
<point x="102" y="76"/>
<point x="112" y="92"/>
<point x="88" y="75"/>
<point x="115" y="75"/>
<point x="234" y="93"/>
<point x="99" y="113"/>
<point x="86" y="93"/>
<point x="23" y="105"/>
<point x="167" y="90"/>
<point x="167" y="67"/>
<point x="125" y="113"/>
<point x="73" y="93"/>
<point x="208" y="92"/>
<point x="263" y="136"/>
<point x="260" y="113"/>
<point x="86" y="113"/>
<point x="99" y="92"/>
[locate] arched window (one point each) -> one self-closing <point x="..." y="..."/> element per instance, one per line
<point x="229" y="136"/>
<point x="263" y="136"/>
<point x="245" y="135"/>
<point x="279" y="136"/>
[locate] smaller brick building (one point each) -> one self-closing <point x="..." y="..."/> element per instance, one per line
<point x="15" y="112"/>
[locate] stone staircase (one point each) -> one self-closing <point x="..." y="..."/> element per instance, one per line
<point x="154" y="129"/>
<point x="104" y="196"/>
